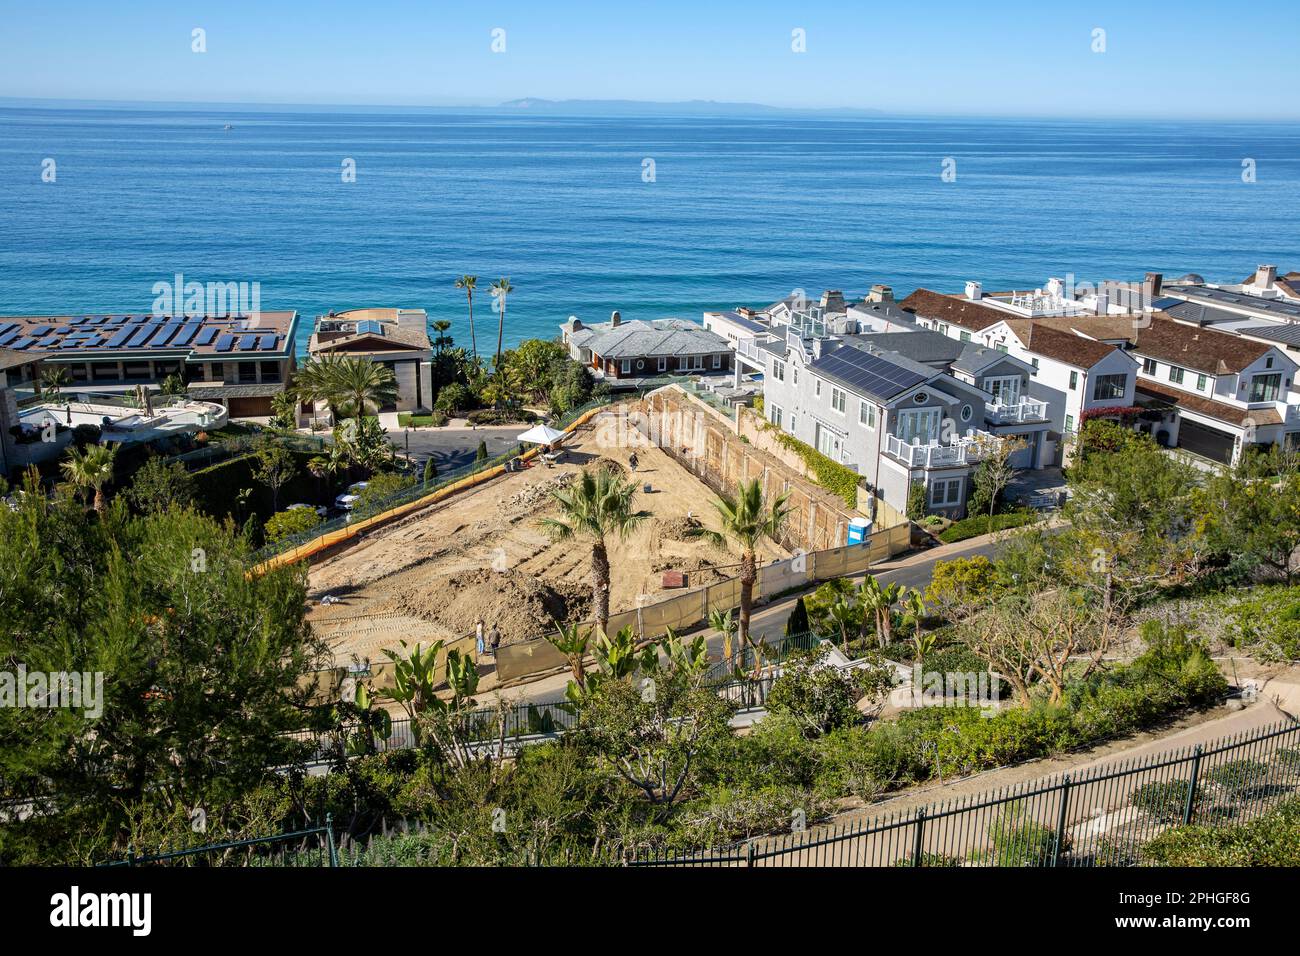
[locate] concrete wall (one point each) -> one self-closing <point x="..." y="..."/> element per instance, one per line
<point x="706" y="442"/>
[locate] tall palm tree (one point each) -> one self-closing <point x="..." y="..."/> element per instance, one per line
<point x="596" y="507"/>
<point x="469" y="283"/>
<point x="91" y="467"/>
<point x="440" y="341"/>
<point x="51" y="381"/>
<point x="746" y="517"/>
<point x="500" y="289"/>
<point x="314" y="381"/>
<point x="362" y="384"/>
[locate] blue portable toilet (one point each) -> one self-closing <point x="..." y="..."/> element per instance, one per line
<point x="859" y="530"/>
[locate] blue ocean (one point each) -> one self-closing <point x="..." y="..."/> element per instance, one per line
<point x="654" y="216"/>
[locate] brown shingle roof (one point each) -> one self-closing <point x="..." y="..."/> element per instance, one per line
<point x="952" y="309"/>
<point x="1220" y="410"/>
<point x="1066" y="347"/>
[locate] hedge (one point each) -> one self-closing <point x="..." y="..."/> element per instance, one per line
<point x="217" y="486"/>
<point x="836" y="478"/>
<point x="979" y="524"/>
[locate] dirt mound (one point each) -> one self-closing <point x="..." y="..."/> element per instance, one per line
<point x="519" y="604"/>
<point x="608" y="464"/>
<point x="678" y="529"/>
<point x="537" y="494"/>
<point x="699" y="570"/>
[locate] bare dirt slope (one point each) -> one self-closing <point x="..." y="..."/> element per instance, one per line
<point x="483" y="552"/>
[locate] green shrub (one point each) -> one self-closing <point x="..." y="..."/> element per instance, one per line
<point x="865" y="763"/>
<point x="285" y="524"/>
<point x="1164" y="800"/>
<point x="981" y="524"/>
<point x="916" y="503"/>
<point x="1271" y="840"/>
<point x="821" y="698"/>
<point x="836" y="478"/>
<point x="1018" y="840"/>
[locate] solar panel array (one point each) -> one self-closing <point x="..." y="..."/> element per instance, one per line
<point x="369" y="326"/>
<point x="110" y="332"/>
<point x="864" y="372"/>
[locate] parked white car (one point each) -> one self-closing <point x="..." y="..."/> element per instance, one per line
<point x="350" y="497"/>
<point x="319" y="509"/>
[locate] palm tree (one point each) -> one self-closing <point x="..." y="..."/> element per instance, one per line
<point x="91" y="467"/>
<point x="746" y="517"/>
<point x="722" y="621"/>
<point x="597" y="506"/>
<point x="314" y="382"/>
<point x="362" y="384"/>
<point x="573" y="641"/>
<point x="923" y="643"/>
<point x="500" y="289"/>
<point x="879" y="599"/>
<point x="52" y="380"/>
<point x="441" y="341"/>
<point x="843" y="613"/>
<point x="468" y="283"/>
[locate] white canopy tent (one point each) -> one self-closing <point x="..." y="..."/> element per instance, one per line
<point x="542" y="435"/>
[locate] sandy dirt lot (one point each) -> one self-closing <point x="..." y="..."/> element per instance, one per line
<point x="482" y="553"/>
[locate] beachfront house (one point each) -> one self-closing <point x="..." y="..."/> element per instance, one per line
<point x="625" y="353"/>
<point x="395" y="338"/>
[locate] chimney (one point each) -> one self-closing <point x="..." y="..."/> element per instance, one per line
<point x="880" y="293"/>
<point x="615" y="319"/>
<point x="1151" y="284"/>
<point x="1265" y="276"/>
<point x="832" y="300"/>
<point x="974" y="290"/>
<point x="575" y="323"/>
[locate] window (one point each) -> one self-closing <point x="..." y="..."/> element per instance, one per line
<point x="717" y="361"/>
<point x="778" y="370"/>
<point x="1108" y="387"/>
<point x="1034" y="363"/>
<point x="216" y="372"/>
<point x="965" y="336"/>
<point x="775" y="415"/>
<point x="828" y="443"/>
<point x="867" y="414"/>
<point x="1269" y="362"/>
<point x="1074" y="380"/>
<point x="626" y="366"/>
<point x="1175" y="375"/>
<point x="1200" y="383"/>
<point x="1069" y="424"/>
<point x="270" y="371"/>
<point x="817" y="387"/>
<point x="943" y="328"/>
<point x="918" y="427"/>
<point x="945" y="493"/>
<point x="837" y="399"/>
<point x="1149" y="366"/>
<point x="697" y="362"/>
<point x="663" y="363"/>
<point x="796" y="374"/>
<point x="793" y="419"/>
<point x="1265" y="388"/>
<point x="966" y="413"/>
<point x="1005" y="389"/>
<point x="247" y="371"/>
<point x="1002" y="346"/>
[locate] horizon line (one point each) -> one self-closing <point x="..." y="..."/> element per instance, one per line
<point x="731" y="108"/>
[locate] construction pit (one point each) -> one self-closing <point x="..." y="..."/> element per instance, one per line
<point x="482" y="553"/>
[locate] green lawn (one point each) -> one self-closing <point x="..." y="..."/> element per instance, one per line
<point x="412" y="420"/>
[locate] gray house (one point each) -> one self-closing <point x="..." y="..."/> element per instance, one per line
<point x="904" y="407"/>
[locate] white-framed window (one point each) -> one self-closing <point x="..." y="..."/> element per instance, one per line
<point x="717" y="361"/>
<point x="795" y="370"/>
<point x="663" y="363"/>
<point x="697" y="363"/>
<point x="1149" y="366"/>
<point x="1108" y="387"/>
<point x="1005" y="389"/>
<point x="967" y="412"/>
<point x="793" y="420"/>
<point x="1175" y="375"/>
<point x="837" y="399"/>
<point x="774" y="413"/>
<point x="828" y="443"/>
<point x="626" y="366"/>
<point x="918" y="426"/>
<point x="778" y="370"/>
<point x="817" y="387"/>
<point x="867" y="414"/>
<point x="1069" y="424"/>
<point x="946" y="492"/>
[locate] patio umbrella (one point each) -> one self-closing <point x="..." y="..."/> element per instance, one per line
<point x="542" y="435"/>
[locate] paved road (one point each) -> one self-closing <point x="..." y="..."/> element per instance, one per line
<point x="769" y="620"/>
<point x="454" y="447"/>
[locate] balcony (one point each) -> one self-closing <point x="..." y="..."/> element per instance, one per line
<point x="1023" y="410"/>
<point x="966" y="450"/>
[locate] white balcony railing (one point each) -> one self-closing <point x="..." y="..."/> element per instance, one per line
<point x="965" y="450"/>
<point x="1023" y="410"/>
<point x="748" y="347"/>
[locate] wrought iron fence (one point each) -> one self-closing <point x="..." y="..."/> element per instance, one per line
<point x="1100" y="817"/>
<point x="312" y="847"/>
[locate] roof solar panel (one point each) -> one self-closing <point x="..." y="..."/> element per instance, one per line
<point x="267" y="342"/>
<point x="77" y="319"/>
<point x="7" y="337"/>
<point x="206" y="335"/>
<point x="42" y="330"/>
<point x="22" y="343"/>
<point x="186" y="333"/>
<point x="119" y="337"/>
<point x="225" y="342"/>
<point x="138" y="337"/>
<point x="164" y="335"/>
<point x="7" y="327"/>
<point x="248" y="343"/>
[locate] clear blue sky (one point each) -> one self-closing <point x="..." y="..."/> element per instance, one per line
<point x="1190" y="59"/>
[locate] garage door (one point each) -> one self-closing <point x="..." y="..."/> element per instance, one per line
<point x="249" y="407"/>
<point x="1208" y="442"/>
